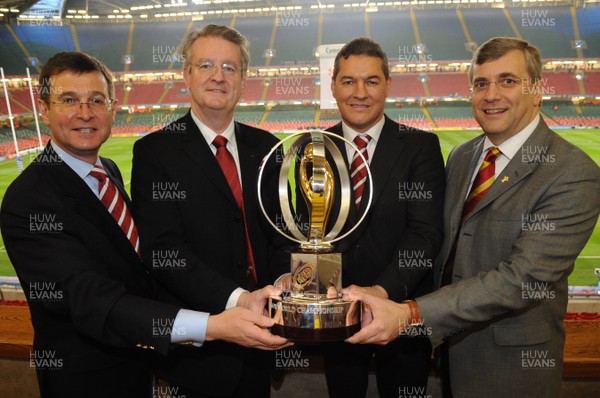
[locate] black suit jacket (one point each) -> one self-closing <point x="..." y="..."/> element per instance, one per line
<point x="397" y="242"/>
<point x="185" y="210"/>
<point x="85" y="284"/>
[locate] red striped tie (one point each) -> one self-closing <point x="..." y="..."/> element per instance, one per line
<point x="483" y="181"/>
<point x="358" y="169"/>
<point x="115" y="204"/>
<point x="227" y="164"/>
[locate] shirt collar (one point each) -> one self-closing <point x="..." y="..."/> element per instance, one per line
<point x="511" y="146"/>
<point x="374" y="131"/>
<point x="79" y="166"/>
<point x="209" y="134"/>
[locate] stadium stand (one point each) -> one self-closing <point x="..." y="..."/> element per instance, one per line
<point x="43" y="41"/>
<point x="250" y="115"/>
<point x="551" y="28"/>
<point x="253" y="90"/>
<point x="443" y="31"/>
<point x="157" y="49"/>
<point x="452" y="114"/>
<point x="443" y="35"/>
<point x="108" y="42"/>
<point x="335" y="27"/>
<point x="449" y="84"/>
<point x="589" y="28"/>
<point x="291" y="88"/>
<point x="406" y="85"/>
<point x="289" y="50"/>
<point x="289" y="117"/>
<point x="258" y="31"/>
<point x="485" y="23"/>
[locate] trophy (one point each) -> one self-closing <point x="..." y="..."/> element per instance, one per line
<point x="311" y="307"/>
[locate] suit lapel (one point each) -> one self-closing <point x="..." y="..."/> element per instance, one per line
<point x="79" y="197"/>
<point x="197" y="149"/>
<point x="249" y="161"/>
<point x="461" y="182"/>
<point x="387" y="153"/>
<point x="514" y="171"/>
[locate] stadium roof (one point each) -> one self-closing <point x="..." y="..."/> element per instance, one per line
<point x="158" y="9"/>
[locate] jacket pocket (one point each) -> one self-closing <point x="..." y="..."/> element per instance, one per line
<point x="521" y="335"/>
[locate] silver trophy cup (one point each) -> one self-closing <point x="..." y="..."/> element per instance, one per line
<point x="311" y="307"/>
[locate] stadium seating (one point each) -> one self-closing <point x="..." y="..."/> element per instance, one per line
<point x="289" y="117"/>
<point x="589" y="29"/>
<point x="154" y="45"/>
<point x="250" y="115"/>
<point x="289" y="50"/>
<point x="550" y="28"/>
<point x="442" y="30"/>
<point x="291" y="88"/>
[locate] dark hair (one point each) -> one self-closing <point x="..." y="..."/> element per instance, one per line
<point x="76" y="62"/>
<point x="220" y="31"/>
<point x="361" y="46"/>
<point x="497" y="47"/>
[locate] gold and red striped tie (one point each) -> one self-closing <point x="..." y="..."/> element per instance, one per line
<point x="115" y="204"/>
<point x="227" y="163"/>
<point x="358" y="169"/>
<point x="483" y="181"/>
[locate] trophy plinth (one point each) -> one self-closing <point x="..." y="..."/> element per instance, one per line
<point x="311" y="307"/>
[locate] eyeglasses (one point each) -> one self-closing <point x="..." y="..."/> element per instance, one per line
<point x="481" y="86"/>
<point x="94" y="104"/>
<point x="210" y="67"/>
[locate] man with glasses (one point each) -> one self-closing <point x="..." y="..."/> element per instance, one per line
<point x="208" y="164"/>
<point x="521" y="204"/>
<point x="69" y="233"/>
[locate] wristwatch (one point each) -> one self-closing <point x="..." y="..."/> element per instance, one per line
<point x="415" y="314"/>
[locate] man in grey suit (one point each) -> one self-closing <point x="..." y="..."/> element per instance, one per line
<point x="515" y="221"/>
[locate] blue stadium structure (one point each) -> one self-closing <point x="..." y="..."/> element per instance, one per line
<point x="429" y="48"/>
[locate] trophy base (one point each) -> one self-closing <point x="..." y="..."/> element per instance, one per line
<point x="316" y="335"/>
<point x="302" y="319"/>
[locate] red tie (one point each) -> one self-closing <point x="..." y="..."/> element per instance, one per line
<point x="358" y="170"/>
<point x="483" y="181"/>
<point x="116" y="206"/>
<point x="229" y="169"/>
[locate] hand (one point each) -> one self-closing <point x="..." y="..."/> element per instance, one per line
<point x="244" y="327"/>
<point x="389" y="319"/>
<point x="257" y="300"/>
<point x="354" y="290"/>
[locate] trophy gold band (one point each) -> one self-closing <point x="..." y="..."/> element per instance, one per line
<point x="312" y="308"/>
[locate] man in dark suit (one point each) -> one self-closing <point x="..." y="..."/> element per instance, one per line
<point x="521" y="204"/>
<point x="78" y="259"/>
<point x="391" y="253"/>
<point x="194" y="194"/>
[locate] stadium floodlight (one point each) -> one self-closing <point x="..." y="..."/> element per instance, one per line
<point x="33" y="62"/>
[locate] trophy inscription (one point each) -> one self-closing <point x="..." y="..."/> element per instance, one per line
<point x="313" y="308"/>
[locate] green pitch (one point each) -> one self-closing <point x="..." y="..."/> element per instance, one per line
<point x="120" y="150"/>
